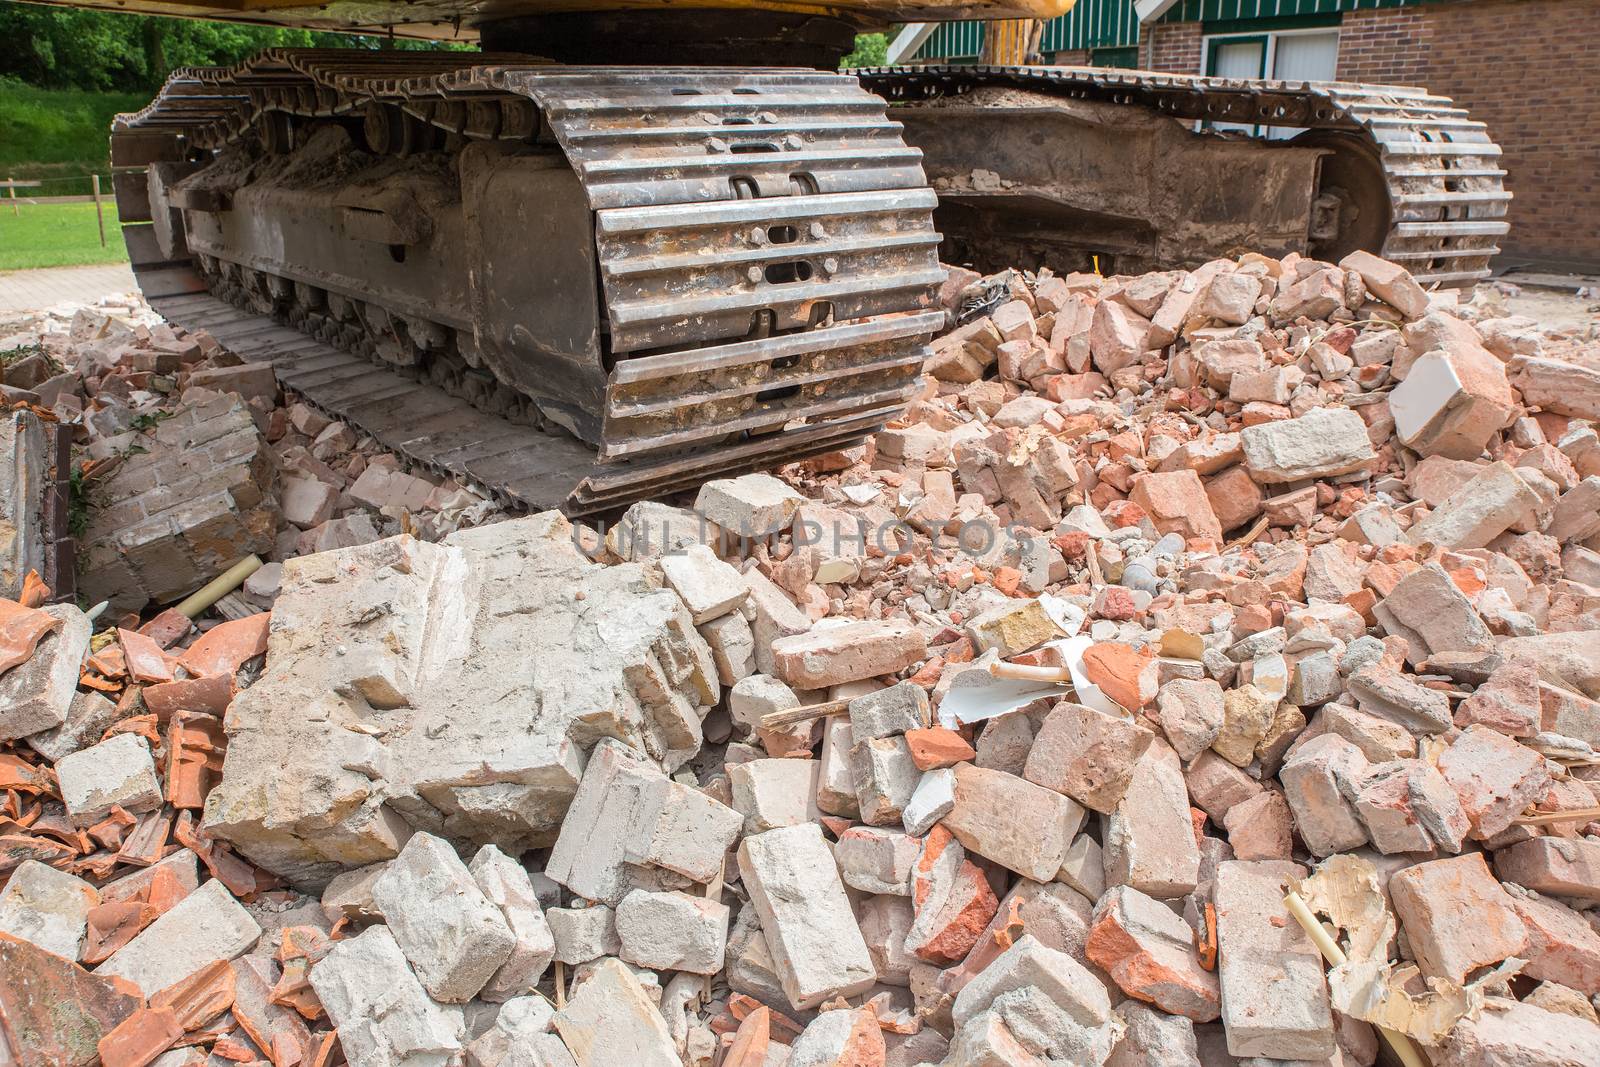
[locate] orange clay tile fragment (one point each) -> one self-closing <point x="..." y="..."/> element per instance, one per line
<point x="1206" y="948"/>
<point x="240" y="877"/>
<point x="229" y="1049"/>
<point x="264" y="1021"/>
<point x="21" y="630"/>
<point x="144" y="726"/>
<point x="103" y="685"/>
<point x="223" y="648"/>
<point x="144" y="659"/>
<point x="17" y="848"/>
<point x="113" y="925"/>
<point x="936" y="746"/>
<point x="110" y="831"/>
<point x="109" y="661"/>
<point x="34" y="591"/>
<point x="17" y="773"/>
<point x="168" y="628"/>
<point x="146" y="844"/>
<point x="63" y="1009"/>
<point x="1125" y="674"/>
<point x="286" y="1051"/>
<point x="324" y="1049"/>
<point x="784" y="1029"/>
<point x="298" y="948"/>
<point x="750" y="1042"/>
<point x="210" y="695"/>
<point x="195" y="746"/>
<point x="140" y="1038"/>
<point x="199" y="998"/>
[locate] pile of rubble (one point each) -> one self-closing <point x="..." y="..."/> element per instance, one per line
<point x="193" y="458"/>
<point x="1205" y="671"/>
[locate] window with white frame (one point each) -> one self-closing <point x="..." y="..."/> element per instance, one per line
<point x="1285" y="55"/>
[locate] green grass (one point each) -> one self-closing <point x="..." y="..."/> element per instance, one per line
<point x="57" y="235"/>
<point x="57" y="135"/>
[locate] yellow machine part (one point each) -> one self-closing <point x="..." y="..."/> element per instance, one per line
<point x="1011" y="42"/>
<point x="456" y="20"/>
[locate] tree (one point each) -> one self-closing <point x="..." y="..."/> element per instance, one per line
<point x="65" y="48"/>
<point x="871" y="50"/>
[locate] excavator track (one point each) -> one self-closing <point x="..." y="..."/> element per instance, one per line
<point x="764" y="264"/>
<point x="1446" y="197"/>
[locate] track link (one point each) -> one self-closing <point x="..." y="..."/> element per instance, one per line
<point x="1447" y="200"/>
<point x="766" y="260"/>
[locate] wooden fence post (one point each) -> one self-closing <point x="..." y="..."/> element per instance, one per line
<point x="99" y="212"/>
<point x="11" y="187"/>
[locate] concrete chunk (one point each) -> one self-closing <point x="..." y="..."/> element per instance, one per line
<point x="1320" y="444"/>
<point x="1495" y="778"/>
<point x="817" y="948"/>
<point x="481" y="743"/>
<point x="1511" y="1034"/>
<point x="199" y="497"/>
<point x="834" y="655"/>
<point x="583" y="934"/>
<point x="385" y="1017"/>
<point x="837" y="1038"/>
<point x="1456" y="917"/>
<point x="1149" y="839"/>
<point x="454" y="935"/>
<point x="770" y="793"/>
<point x="1452" y="402"/>
<point x="1478" y="512"/>
<point x="1274" y="999"/>
<point x="507" y="885"/>
<point x="205" y="926"/>
<point x="37" y="694"/>
<point x="897" y="709"/>
<point x="750" y="506"/>
<point x="707" y="585"/>
<point x="47" y="907"/>
<point x="672" y="931"/>
<point x="682" y="830"/>
<point x="1314" y="783"/>
<point x="1063" y="980"/>
<point x="1153" y="1038"/>
<point x="115" y="773"/>
<point x="1087" y="755"/>
<point x="1557" y="866"/>
<point x="1149" y="952"/>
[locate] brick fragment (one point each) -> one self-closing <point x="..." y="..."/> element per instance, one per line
<point x="794" y="886"/>
<point x="1086" y="755"/>
<point x="1149" y="839"/>
<point x="1495" y="778"/>
<point x="1177" y="503"/>
<point x="1017" y="824"/>
<point x="1274" y="998"/>
<point x="1455" y="915"/>
<point x="833" y="655"/>
<point x="1149" y="952"/>
<point x="1563" y="867"/>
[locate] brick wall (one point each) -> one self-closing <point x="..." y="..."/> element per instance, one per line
<point x="1173" y="47"/>
<point x="1076" y="57"/>
<point x="1531" y="70"/>
<point x="1384" y="45"/>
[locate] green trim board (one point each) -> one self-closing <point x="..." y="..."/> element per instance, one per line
<point x="1093" y="24"/>
<point x="1097" y="24"/>
<point x="1230" y="10"/>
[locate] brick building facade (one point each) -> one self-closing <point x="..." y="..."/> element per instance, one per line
<point x="1529" y="69"/>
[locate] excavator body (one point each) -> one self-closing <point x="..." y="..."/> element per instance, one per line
<point x="594" y="263"/>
